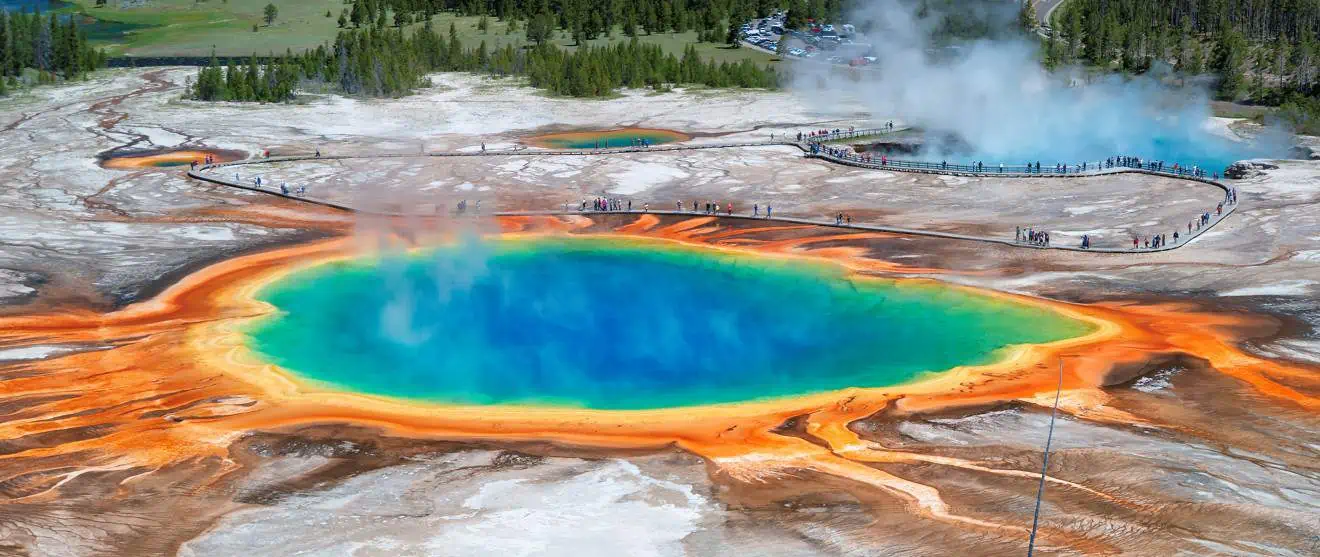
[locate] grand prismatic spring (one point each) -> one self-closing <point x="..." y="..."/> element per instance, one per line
<point x="404" y="325"/>
<point x="625" y="325"/>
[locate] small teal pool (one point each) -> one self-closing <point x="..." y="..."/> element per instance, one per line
<point x="624" y="325"/>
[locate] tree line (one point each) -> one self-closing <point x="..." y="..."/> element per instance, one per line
<point x="390" y="62"/>
<point x="1264" y="51"/>
<point x="591" y="19"/>
<point x="53" y="48"/>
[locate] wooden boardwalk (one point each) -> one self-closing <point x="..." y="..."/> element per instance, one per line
<point x="213" y="174"/>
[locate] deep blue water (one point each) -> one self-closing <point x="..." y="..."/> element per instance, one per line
<point x="624" y="325"/>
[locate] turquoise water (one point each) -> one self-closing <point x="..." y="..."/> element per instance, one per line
<point x="98" y="31"/>
<point x="1194" y="147"/>
<point x="623" y="325"/>
<point x="33" y="5"/>
<point x="607" y="139"/>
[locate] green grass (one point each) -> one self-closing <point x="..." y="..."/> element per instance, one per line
<point x="1224" y="109"/>
<point x="190" y="28"/>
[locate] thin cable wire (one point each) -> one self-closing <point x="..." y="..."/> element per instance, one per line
<point x="1040" y="491"/>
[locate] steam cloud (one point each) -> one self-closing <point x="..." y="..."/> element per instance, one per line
<point x="993" y="95"/>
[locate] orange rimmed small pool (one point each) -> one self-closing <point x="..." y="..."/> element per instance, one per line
<point x="606" y="139"/>
<point x="134" y="160"/>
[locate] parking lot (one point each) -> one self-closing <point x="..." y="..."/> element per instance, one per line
<point x="823" y="42"/>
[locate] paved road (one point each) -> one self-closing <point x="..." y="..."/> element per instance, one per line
<point x="1045" y="8"/>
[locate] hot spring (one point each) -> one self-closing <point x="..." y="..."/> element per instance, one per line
<point x="624" y="324"/>
<point x="165" y="158"/>
<point x="624" y="137"/>
<point x="1199" y="148"/>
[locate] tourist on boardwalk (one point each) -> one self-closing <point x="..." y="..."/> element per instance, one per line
<point x="768" y="210"/>
<point x="756" y="209"/>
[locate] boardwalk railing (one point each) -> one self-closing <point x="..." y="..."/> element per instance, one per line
<point x="811" y="146"/>
<point x="817" y="145"/>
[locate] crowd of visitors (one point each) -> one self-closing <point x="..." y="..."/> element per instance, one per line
<point x="1032" y="236"/>
<point x="1157" y="166"/>
<point x="828" y="134"/>
<point x="1194" y="226"/>
<point x="607" y="204"/>
<point x="1025" y="235"/>
<point x="814" y="139"/>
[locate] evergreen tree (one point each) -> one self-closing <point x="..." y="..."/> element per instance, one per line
<point x="270" y="13"/>
<point x="651" y="18"/>
<point x="796" y="17"/>
<point x="1280" y="54"/>
<point x="388" y="62"/>
<point x="1229" y="61"/>
<point x="41" y="48"/>
<point x="358" y="14"/>
<point x="6" y="50"/>
<point x="539" y="29"/>
<point x="1027" y="20"/>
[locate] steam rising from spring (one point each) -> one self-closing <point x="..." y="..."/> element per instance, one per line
<point x="993" y="95"/>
